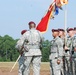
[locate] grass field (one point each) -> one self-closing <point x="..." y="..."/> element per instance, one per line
<point x="5" y="68"/>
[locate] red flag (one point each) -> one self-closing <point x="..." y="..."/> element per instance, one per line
<point x="43" y="24"/>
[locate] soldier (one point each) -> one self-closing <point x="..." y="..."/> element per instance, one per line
<point x="21" y="59"/>
<point x="56" y="53"/>
<point x="70" y="46"/>
<point x="74" y="55"/>
<point x="75" y="30"/>
<point x="32" y="53"/>
<point x="62" y="36"/>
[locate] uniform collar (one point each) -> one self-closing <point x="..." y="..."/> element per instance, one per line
<point x="32" y="29"/>
<point x="56" y="38"/>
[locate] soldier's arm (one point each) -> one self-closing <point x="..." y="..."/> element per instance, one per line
<point x="67" y="44"/>
<point x="41" y="37"/>
<point x="60" y="48"/>
<point x="19" y="44"/>
<point x="74" y="44"/>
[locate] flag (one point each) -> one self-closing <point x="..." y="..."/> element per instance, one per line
<point x="60" y="3"/>
<point x="43" y="24"/>
<point x="56" y="10"/>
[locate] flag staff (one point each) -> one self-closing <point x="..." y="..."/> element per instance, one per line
<point x="65" y="23"/>
<point x="15" y="63"/>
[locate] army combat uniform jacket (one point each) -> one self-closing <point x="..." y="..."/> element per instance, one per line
<point x="32" y="39"/>
<point x="71" y="44"/>
<point x="56" y="48"/>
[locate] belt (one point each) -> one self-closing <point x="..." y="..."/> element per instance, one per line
<point x="33" y="46"/>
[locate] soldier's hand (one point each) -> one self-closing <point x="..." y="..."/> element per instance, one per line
<point x="74" y="49"/>
<point x="21" y="53"/>
<point x="58" y="61"/>
<point x="66" y="48"/>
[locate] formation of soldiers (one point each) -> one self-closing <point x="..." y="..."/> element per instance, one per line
<point x="62" y="51"/>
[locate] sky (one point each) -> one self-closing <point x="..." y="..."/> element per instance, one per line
<point x="16" y="14"/>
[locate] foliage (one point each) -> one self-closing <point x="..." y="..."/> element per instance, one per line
<point x="9" y="53"/>
<point x="7" y="49"/>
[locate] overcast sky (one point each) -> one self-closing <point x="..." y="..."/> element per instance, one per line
<point x="15" y="15"/>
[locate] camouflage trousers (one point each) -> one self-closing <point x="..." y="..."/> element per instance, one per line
<point x="35" y="61"/>
<point x="20" y="61"/>
<point x="70" y="66"/>
<point x="74" y="66"/>
<point x="56" y="69"/>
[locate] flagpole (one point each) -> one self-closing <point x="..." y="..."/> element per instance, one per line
<point x="15" y="63"/>
<point x="65" y="23"/>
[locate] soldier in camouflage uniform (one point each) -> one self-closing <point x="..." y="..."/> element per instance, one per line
<point x="56" y="53"/>
<point x="74" y="55"/>
<point x="21" y="59"/>
<point x="32" y="52"/>
<point x="62" y="36"/>
<point x="75" y="31"/>
<point x="70" y="47"/>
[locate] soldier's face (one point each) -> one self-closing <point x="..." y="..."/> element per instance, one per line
<point x="61" y="33"/>
<point x="54" y="34"/>
<point x="32" y="26"/>
<point x="71" y="33"/>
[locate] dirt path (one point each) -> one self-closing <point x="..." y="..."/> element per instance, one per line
<point x="6" y="67"/>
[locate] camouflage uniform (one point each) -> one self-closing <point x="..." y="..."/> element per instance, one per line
<point x="32" y="53"/>
<point x="56" y="53"/>
<point x="74" y="55"/>
<point x="70" y="55"/>
<point x="64" y="61"/>
<point x="21" y="59"/>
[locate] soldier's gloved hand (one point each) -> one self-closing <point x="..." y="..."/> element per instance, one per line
<point x="58" y="61"/>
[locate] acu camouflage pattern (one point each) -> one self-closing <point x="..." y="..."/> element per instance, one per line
<point x="56" y="52"/>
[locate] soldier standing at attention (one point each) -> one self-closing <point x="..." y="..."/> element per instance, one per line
<point x="62" y="36"/>
<point x="70" y="46"/>
<point x="74" y="55"/>
<point x="32" y="52"/>
<point x="56" y="53"/>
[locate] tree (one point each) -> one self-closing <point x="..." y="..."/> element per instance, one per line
<point x="9" y="53"/>
<point x="45" y="51"/>
<point x="7" y="49"/>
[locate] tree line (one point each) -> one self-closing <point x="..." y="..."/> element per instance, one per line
<point x="9" y="53"/>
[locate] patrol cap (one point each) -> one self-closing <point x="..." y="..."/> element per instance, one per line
<point x="23" y="31"/>
<point x="69" y="29"/>
<point x="55" y="30"/>
<point x="61" y="30"/>
<point x="31" y="22"/>
<point x="74" y="28"/>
